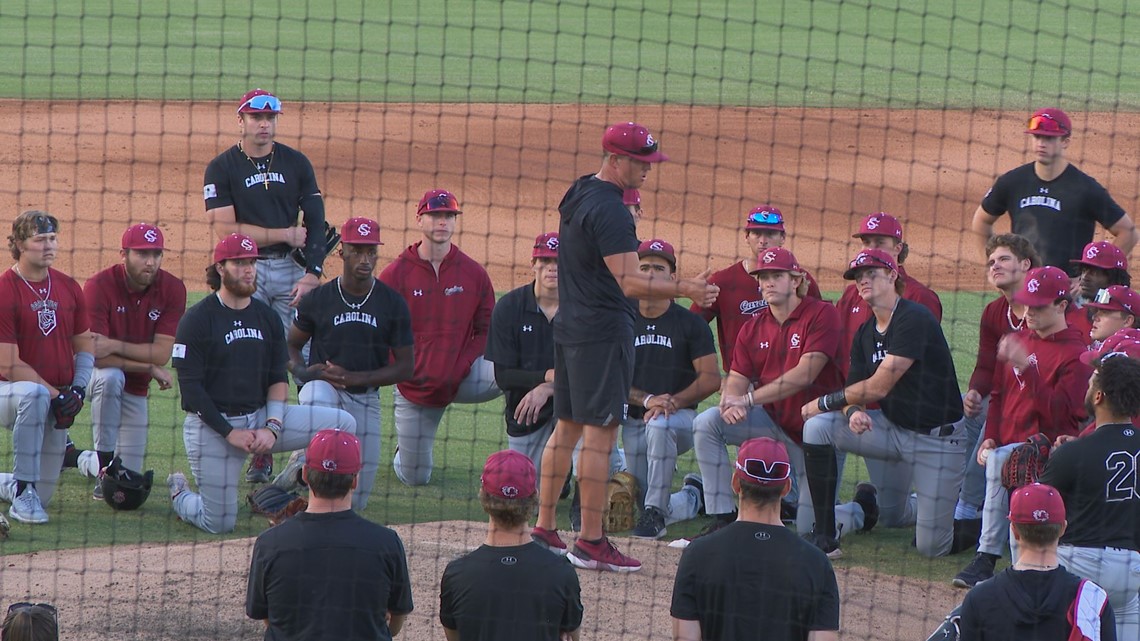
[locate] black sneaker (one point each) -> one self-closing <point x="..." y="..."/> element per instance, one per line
<point x="980" y="569"/>
<point x="651" y="525"/>
<point x="695" y="481"/>
<point x="828" y="545"/>
<point x="867" y="496"/>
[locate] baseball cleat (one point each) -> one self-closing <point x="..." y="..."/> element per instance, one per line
<point x="290" y="478"/>
<point x="867" y="497"/>
<point x="980" y="569"/>
<point x="260" y="469"/>
<point x="695" y="481"/>
<point x="651" y="525"/>
<point x="827" y="544"/>
<point x="548" y="539"/>
<point x="97" y="492"/>
<point x="177" y="484"/>
<point x="602" y="556"/>
<point x="27" y="507"/>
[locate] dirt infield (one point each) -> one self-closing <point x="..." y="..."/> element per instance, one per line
<point x="197" y="592"/>
<point x="102" y="164"/>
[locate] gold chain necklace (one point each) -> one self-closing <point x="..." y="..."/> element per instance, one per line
<point x="263" y="172"/>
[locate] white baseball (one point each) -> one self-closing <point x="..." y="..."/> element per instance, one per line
<point x="985" y="455"/>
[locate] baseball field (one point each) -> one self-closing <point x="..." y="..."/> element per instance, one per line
<point x="110" y="110"/>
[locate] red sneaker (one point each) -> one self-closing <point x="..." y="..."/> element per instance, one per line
<point x="602" y="556"/>
<point x="548" y="539"/>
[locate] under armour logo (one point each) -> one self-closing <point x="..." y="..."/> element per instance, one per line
<point x="856" y="309"/>
<point x="247" y="244"/>
<point x="121" y="309"/>
<point x="417" y="292"/>
<point x="764" y="345"/>
<point x="237" y="323"/>
<point x="1092" y="252"/>
<point x="1043" y="190"/>
<point x="650" y="328"/>
<point x="528" y="328"/>
<point x="151" y="236"/>
<point x="1032" y="286"/>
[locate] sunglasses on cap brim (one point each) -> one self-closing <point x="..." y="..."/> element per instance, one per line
<point x="1046" y="123"/>
<point x="763" y="471"/>
<point x="765" y="218"/>
<point x="445" y="203"/>
<point x="262" y="103"/>
<point x="1103" y="297"/>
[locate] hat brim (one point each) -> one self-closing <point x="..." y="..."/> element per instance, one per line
<point x="750" y="226"/>
<point x="546" y="253"/>
<point x="1033" y="300"/>
<point x="769" y="268"/>
<point x="1080" y="261"/>
<point x="672" y="260"/>
<point x="1050" y="134"/>
<point x="850" y="273"/>
<point x="361" y="242"/>
<point x="440" y="211"/>
<point x="657" y="156"/>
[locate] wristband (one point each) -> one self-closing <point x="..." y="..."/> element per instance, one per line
<point x="749" y="400"/>
<point x="274" y="426"/>
<point x="833" y="401"/>
<point x="645" y="402"/>
<point x="851" y="410"/>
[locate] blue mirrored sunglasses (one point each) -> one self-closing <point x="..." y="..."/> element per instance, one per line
<point x="765" y="218"/>
<point x="262" y="103"/>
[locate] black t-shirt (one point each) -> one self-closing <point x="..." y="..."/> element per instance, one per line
<point x="595" y="224"/>
<point x="232" y="355"/>
<point x="1058" y="216"/>
<point x="1026" y="605"/>
<point x="516" y="592"/>
<point x="521" y="345"/>
<point x="927" y="395"/>
<point x="1096" y="475"/>
<point x="355" y="332"/>
<point x="751" y="580"/>
<point x="664" y="350"/>
<point x="328" y="577"/>
<point x="234" y="179"/>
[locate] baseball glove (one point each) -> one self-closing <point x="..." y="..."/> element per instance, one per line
<point x="949" y="630"/>
<point x="621" y="502"/>
<point x="276" y="504"/>
<point x="1026" y="462"/>
<point x="332" y="239"/>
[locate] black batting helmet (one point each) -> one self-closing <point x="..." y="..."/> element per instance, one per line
<point x="125" y="489"/>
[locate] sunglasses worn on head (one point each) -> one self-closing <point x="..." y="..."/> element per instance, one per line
<point x="1103" y="297"/>
<point x="262" y="103"/>
<point x="764" y="472"/>
<point x="26" y="605"/>
<point x="1048" y="123"/>
<point x="765" y="218"/>
<point x="440" y="202"/>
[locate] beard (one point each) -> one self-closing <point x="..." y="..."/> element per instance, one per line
<point x="236" y="287"/>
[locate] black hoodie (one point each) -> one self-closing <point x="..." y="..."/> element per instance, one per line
<point x="1026" y="605"/>
<point x="595" y="224"/>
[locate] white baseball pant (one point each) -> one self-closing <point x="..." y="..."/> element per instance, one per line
<point x="37" y="447"/>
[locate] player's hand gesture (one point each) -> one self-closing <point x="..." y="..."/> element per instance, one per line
<point x="985" y="450"/>
<point x="335" y="375"/>
<point x="810" y="409"/>
<point x="860" y="422"/>
<point x="699" y="290"/>
<point x="104" y="346"/>
<point x="659" y="405"/>
<point x="295" y="236"/>
<point x="162" y="376"/>
<point x="972" y="403"/>
<point x="733" y="414"/>
<point x="307" y="284"/>
<point x="263" y="441"/>
<point x="1012" y="350"/>
<point x="532" y="403"/>
<point x="241" y="439"/>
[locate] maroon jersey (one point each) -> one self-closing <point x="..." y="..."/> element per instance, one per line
<point x="738" y="301"/>
<point x="451" y="315"/>
<point x="134" y="317"/>
<point x="1048" y="396"/>
<point x="41" y="323"/>
<point x="854" y="311"/>
<point x="765" y="350"/>
<point x="1080" y="319"/>
<point x="997" y="321"/>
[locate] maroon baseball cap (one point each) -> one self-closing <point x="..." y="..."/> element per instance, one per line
<point x="763" y="461"/>
<point x="631" y="197"/>
<point x="233" y="247"/>
<point x="658" y="247"/>
<point x="360" y="231"/>
<point x="259" y="101"/>
<point x="438" y="200"/>
<point x="334" y="452"/>
<point x="1049" y="122"/>
<point x="1117" y="298"/>
<point x="546" y="245"/>
<point x="880" y="224"/>
<point x="764" y="218"/>
<point x="143" y="236"/>
<point x="1036" y="504"/>
<point x="633" y="140"/>
<point x="870" y="258"/>
<point x="1042" y="286"/>
<point x="509" y="475"/>
<point x="1125" y="341"/>
<point x="1102" y="254"/>
<point x="776" y="259"/>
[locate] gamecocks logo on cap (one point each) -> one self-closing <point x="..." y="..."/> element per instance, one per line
<point x="1041" y="516"/>
<point x="656" y="246"/>
<point x="552" y="244"/>
<point x="151" y="236"/>
<point x="873" y="223"/>
<point x="1032" y="286"/>
<point x="247" y="244"/>
<point x="1092" y="252"/>
<point x="364" y="229"/>
<point x="649" y="141"/>
<point x="328" y="465"/>
<point x="769" y="257"/>
<point x="509" y="491"/>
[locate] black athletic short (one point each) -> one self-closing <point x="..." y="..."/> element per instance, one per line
<point x="592" y="382"/>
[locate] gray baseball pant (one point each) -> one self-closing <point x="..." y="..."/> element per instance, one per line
<point x="1117" y="571"/>
<point x="275" y="279"/>
<point x="217" y="465"/>
<point x="119" y="420"/>
<point x="711" y="437"/>
<point x="933" y="465"/>
<point x="365" y="409"/>
<point x="974" y="483"/>
<point x="37" y="447"/>
<point x="995" y="513"/>
<point x="416" y="425"/>
<point x="651" y="451"/>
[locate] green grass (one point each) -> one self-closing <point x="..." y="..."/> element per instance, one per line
<point x="866" y="53"/>
<point x="468" y="434"/>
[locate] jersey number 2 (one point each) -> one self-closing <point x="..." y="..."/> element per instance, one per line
<point x="1122" y="485"/>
